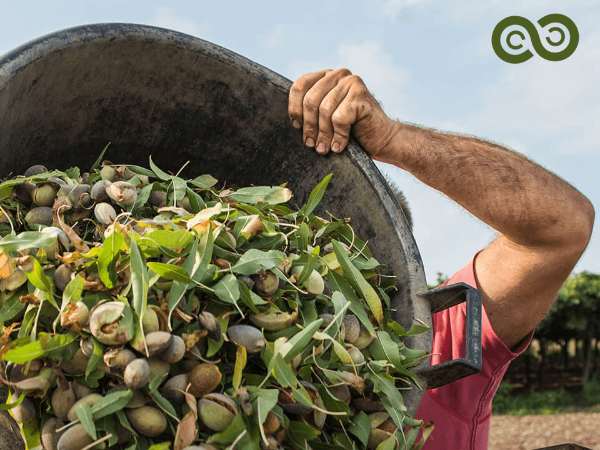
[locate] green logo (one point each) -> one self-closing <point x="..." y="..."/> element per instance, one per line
<point x="535" y="38"/>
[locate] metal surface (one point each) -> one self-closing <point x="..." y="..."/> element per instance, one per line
<point x="151" y="91"/>
<point x="443" y="298"/>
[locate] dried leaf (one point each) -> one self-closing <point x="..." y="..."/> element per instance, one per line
<point x="186" y="431"/>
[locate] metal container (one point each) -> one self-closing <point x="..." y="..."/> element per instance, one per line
<point x="152" y="91"/>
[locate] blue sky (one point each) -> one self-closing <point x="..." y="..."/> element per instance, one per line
<point x="429" y="62"/>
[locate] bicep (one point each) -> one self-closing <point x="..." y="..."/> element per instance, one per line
<point x="519" y="284"/>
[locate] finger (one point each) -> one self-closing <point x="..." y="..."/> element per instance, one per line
<point x="297" y="92"/>
<point x="312" y="102"/>
<point x="329" y="105"/>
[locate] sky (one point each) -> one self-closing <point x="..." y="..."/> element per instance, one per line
<point x="428" y="62"/>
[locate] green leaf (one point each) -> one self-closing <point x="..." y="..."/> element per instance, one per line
<point x="396" y="415"/>
<point x="141" y="201"/>
<point x="414" y="329"/>
<point x="230" y="434"/>
<point x="111" y="403"/>
<point x="228" y="290"/>
<point x="300" y="341"/>
<point x="196" y="201"/>
<point x="72" y="292"/>
<point x="303" y="236"/>
<point x="111" y="249"/>
<point x="7" y="406"/>
<point x="179" y="188"/>
<point x="389" y="444"/>
<point x="159" y="173"/>
<point x="12" y="307"/>
<point x="385" y="348"/>
<point x="283" y="372"/>
<point x="31" y="434"/>
<point x="73" y="173"/>
<point x="109" y="425"/>
<point x="300" y="432"/>
<point x="338" y="283"/>
<point x="139" y="280"/>
<point x="203" y="182"/>
<point x="266" y="401"/>
<point x="45" y="345"/>
<point x="84" y="414"/>
<point x="200" y="264"/>
<point x="38" y="278"/>
<point x="170" y="272"/>
<point x="361" y="427"/>
<point x="332" y="403"/>
<point x="311" y="264"/>
<point x="164" y="404"/>
<point x="262" y="194"/>
<point x="357" y="281"/>
<point x="250" y="298"/>
<point x="96" y="358"/>
<point x="98" y="161"/>
<point x="160" y="446"/>
<point x="383" y="386"/>
<point x="315" y="196"/>
<point x="141" y="171"/>
<point x="26" y="240"/>
<point x="254" y="260"/>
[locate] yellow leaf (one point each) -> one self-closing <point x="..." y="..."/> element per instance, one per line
<point x="240" y="363"/>
<point x="6" y="268"/>
<point x="204" y="215"/>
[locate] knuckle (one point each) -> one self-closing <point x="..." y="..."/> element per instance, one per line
<point x="310" y="102"/>
<point x="325" y="108"/>
<point x="356" y="80"/>
<point x="343" y="72"/>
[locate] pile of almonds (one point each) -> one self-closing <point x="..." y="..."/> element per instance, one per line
<point x="145" y="311"/>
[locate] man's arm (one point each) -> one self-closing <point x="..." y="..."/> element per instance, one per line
<point x="544" y="223"/>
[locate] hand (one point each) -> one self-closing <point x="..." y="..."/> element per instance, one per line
<point x="329" y="105"/>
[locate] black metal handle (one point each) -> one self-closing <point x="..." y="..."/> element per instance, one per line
<point x="442" y="298"/>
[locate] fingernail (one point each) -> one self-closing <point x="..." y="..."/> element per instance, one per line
<point x="321" y="148"/>
<point x="335" y="147"/>
<point x="296" y="124"/>
<point x="310" y="142"/>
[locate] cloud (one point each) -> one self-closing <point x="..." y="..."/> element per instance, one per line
<point x="471" y="10"/>
<point x="546" y="99"/>
<point x="276" y="38"/>
<point x="399" y="9"/>
<point x="167" y="18"/>
<point x="386" y="80"/>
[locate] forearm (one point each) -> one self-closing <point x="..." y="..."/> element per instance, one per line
<point x="526" y="203"/>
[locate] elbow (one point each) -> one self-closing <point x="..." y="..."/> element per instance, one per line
<point x="580" y="231"/>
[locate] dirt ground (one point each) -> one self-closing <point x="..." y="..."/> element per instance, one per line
<point x="534" y="432"/>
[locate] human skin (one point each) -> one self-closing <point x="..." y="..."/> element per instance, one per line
<point x="544" y="223"/>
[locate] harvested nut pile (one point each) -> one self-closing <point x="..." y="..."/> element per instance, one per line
<point x="145" y="311"/>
